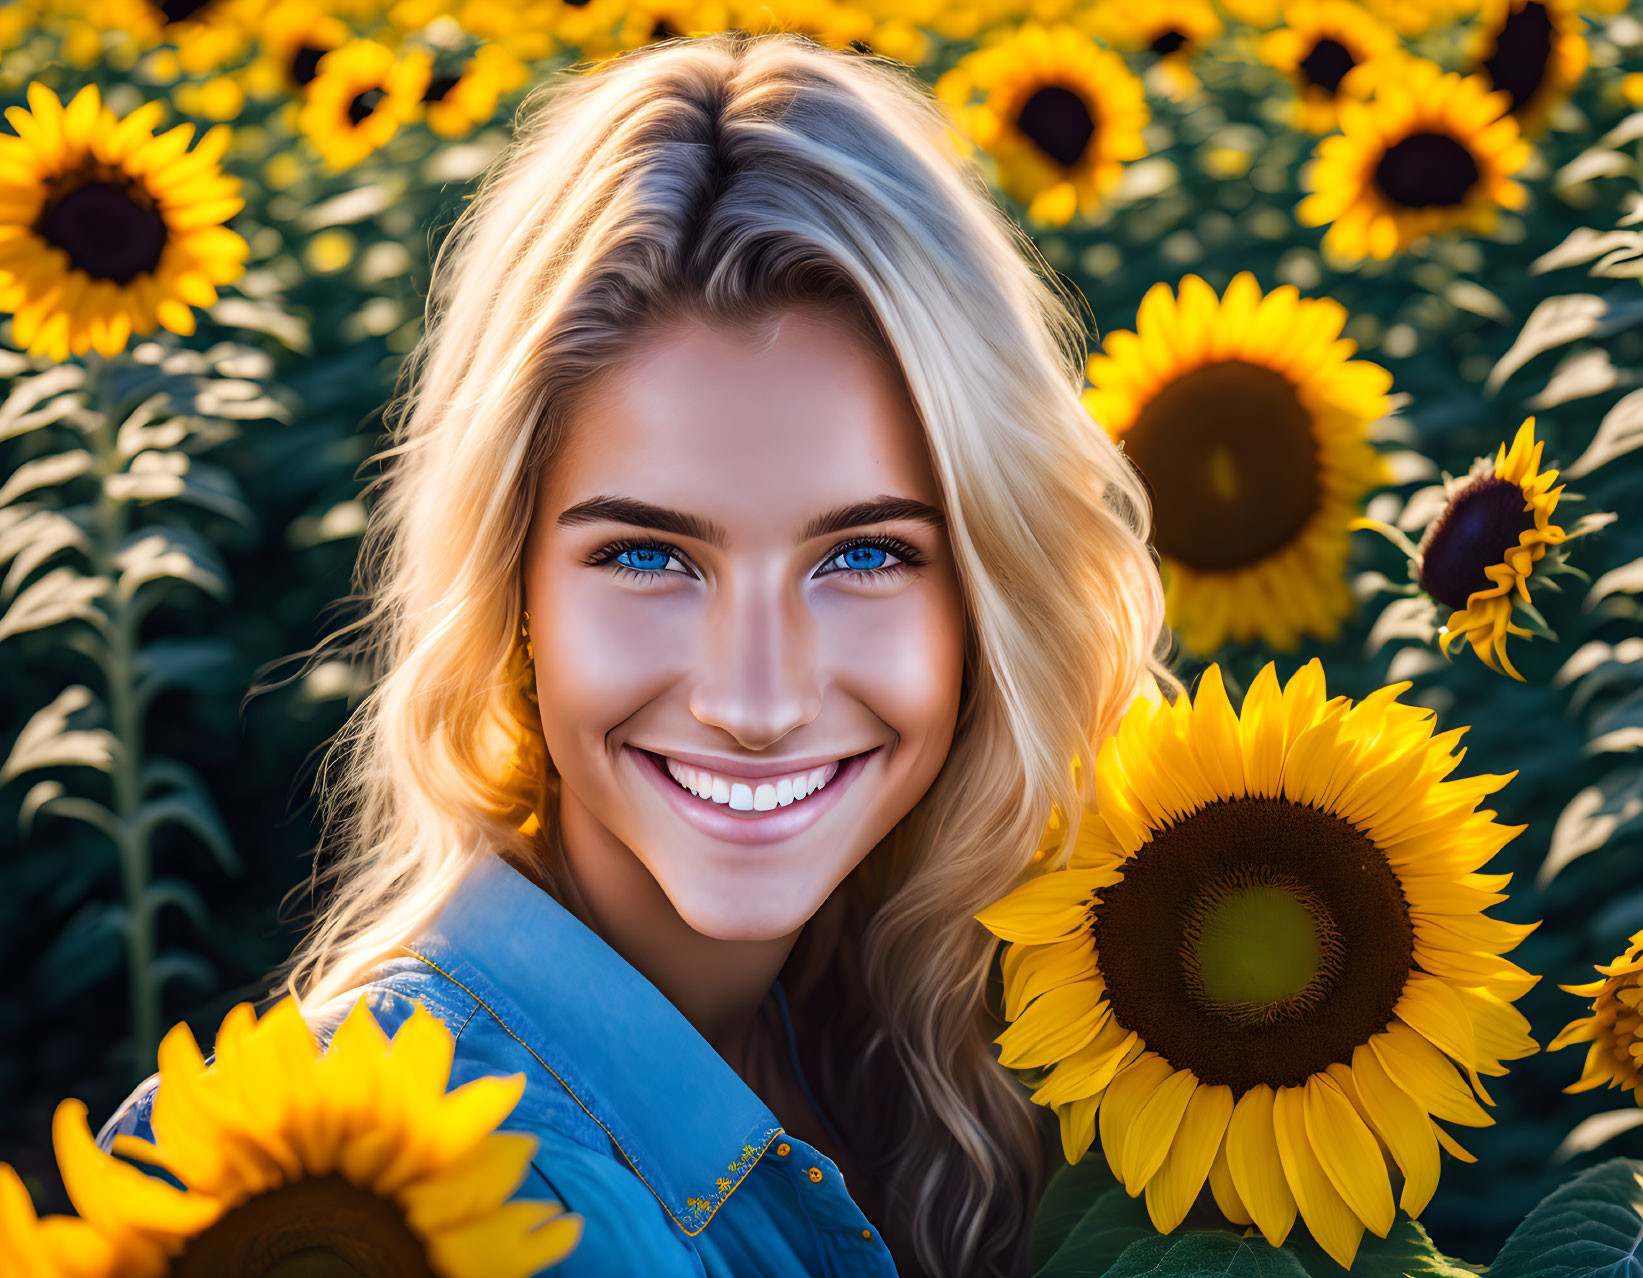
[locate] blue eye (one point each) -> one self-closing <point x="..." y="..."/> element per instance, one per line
<point x="865" y="558"/>
<point x="645" y="558"/>
<point x="862" y="558"/>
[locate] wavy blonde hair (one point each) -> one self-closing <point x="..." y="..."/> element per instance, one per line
<point x="720" y="179"/>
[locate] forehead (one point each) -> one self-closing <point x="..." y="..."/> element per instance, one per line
<point x="757" y="429"/>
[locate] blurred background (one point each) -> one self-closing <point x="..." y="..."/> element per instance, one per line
<point x="180" y="506"/>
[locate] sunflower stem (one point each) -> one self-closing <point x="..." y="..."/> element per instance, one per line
<point x="120" y="673"/>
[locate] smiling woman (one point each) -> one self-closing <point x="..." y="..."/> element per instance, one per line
<point x="746" y="581"/>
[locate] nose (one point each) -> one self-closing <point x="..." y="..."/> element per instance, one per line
<point x="759" y="676"/>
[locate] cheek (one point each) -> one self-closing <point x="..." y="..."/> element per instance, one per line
<point x="601" y="653"/>
<point x="904" y="659"/>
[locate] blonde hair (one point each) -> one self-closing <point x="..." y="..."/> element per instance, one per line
<point x="719" y="179"/>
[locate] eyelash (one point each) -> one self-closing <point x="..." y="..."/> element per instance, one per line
<point x="909" y="554"/>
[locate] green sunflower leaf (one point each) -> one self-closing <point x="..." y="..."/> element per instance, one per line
<point x="1205" y="1255"/>
<point x="1405" y="1252"/>
<point x="1110" y="1223"/>
<point x="1087" y="1214"/>
<point x="1590" y="1227"/>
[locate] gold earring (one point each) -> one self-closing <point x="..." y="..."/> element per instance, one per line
<point x="530" y="657"/>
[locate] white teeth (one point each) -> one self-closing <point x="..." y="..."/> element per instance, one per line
<point x="743" y="797"/>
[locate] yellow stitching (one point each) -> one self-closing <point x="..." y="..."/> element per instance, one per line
<point x="696" y="1204"/>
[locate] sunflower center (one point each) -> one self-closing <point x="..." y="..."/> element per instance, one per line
<point x="1229" y="454"/>
<point x="181" y="10"/>
<point x="316" y="1227"/>
<point x="1326" y="66"/>
<point x="364" y="104"/>
<point x="305" y="63"/>
<point x="110" y="230"/>
<point x="1258" y="946"/>
<point x="439" y="86"/>
<point x="1059" y="122"/>
<point x="1255" y="941"/>
<point x="1523" y="47"/>
<point x="1168" y="42"/>
<point x="1480" y="524"/>
<point x="1424" y="170"/>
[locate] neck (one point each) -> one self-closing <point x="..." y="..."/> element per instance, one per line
<point x="717" y="985"/>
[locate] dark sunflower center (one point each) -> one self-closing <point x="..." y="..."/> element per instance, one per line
<point x="439" y="86"/>
<point x="182" y="10"/>
<point x="1326" y="66"/>
<point x="1058" y="121"/>
<point x="1255" y="941"/>
<point x="110" y="230"/>
<point x="364" y="104"/>
<point x="305" y="63"/>
<point x="1230" y="457"/>
<point x="1425" y="170"/>
<point x="1480" y="524"/>
<point x="1523" y="47"/>
<point x="318" y="1227"/>
<point x="1167" y="42"/>
<point x="662" y="31"/>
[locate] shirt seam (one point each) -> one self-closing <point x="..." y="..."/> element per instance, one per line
<point x="479" y="1002"/>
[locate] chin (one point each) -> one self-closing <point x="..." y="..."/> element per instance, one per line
<point x="745" y="913"/>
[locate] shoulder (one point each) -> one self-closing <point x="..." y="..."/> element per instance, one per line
<point x="625" y="1230"/>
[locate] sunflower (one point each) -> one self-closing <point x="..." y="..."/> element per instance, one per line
<point x="838" y="24"/>
<point x="105" y="229"/>
<point x="1060" y="116"/>
<point x="1534" y="50"/>
<point x="1328" y="48"/>
<point x="206" y="35"/>
<point x="458" y="103"/>
<point x="1265" y="956"/>
<point x="1489" y="543"/>
<point x="292" y="38"/>
<point x="360" y="97"/>
<point x="49" y="1246"/>
<point x="1248" y="419"/>
<point x="1416" y="17"/>
<point x="534" y="29"/>
<point x="1615" y="1057"/>
<point x="1172" y="31"/>
<point x="357" y="1151"/>
<point x="651" y="21"/>
<point x="1431" y="151"/>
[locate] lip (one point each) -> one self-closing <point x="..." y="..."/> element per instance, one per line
<point x="750" y="827"/>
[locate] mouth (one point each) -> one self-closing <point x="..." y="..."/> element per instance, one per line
<point x="738" y="825"/>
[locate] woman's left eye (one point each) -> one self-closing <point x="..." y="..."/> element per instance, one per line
<point x="870" y="558"/>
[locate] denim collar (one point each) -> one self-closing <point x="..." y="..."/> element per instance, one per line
<point x="680" y="1116"/>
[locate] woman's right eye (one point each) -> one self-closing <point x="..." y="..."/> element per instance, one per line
<point x="638" y="558"/>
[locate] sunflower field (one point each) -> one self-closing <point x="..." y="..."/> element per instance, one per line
<point x="1344" y="969"/>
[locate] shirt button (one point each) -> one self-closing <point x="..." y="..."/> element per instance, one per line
<point x="783" y="1150"/>
<point x="867" y="1234"/>
<point x="815" y="1174"/>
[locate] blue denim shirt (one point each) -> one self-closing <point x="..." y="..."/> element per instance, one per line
<point x="675" y="1165"/>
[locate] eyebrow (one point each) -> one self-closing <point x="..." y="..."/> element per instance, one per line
<point x="630" y="510"/>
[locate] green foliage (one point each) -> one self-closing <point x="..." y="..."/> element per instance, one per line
<point x="1203" y="1255"/>
<point x="1591" y="1227"/>
<point x="1085" y="1221"/>
<point x="98" y="517"/>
